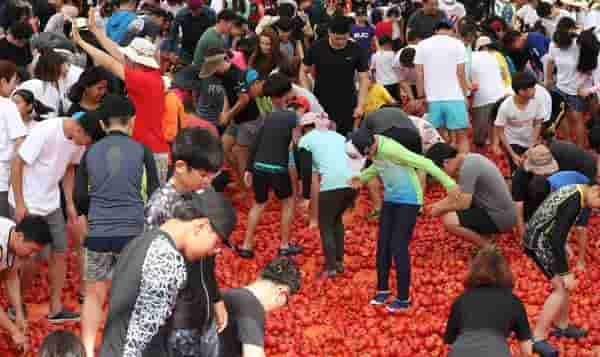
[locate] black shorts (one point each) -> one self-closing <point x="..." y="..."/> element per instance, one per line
<point x="263" y="182"/>
<point x="544" y="268"/>
<point x="477" y="220"/>
<point x="410" y="139"/>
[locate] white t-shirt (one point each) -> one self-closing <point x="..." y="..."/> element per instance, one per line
<point x="565" y="62"/>
<point x="6" y="259"/>
<point x="383" y="64"/>
<point x="47" y="154"/>
<point x="46" y="93"/>
<point x="429" y="135"/>
<point x="454" y="11"/>
<point x="549" y="24"/>
<point x="592" y="19"/>
<point x="440" y="56"/>
<point x="403" y="73"/>
<point x="528" y="15"/>
<point x="518" y="124"/>
<point x="486" y="72"/>
<point x="11" y="128"/>
<point x="543" y="97"/>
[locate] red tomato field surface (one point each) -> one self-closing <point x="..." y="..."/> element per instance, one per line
<point x="334" y="318"/>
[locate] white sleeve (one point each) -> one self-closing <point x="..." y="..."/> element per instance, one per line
<point x="16" y="127"/>
<point x="461" y="53"/>
<point x="419" y="56"/>
<point x="552" y="52"/>
<point x="33" y="144"/>
<point x="503" y="113"/>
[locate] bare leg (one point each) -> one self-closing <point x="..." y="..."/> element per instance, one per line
<point x="287" y="216"/>
<point x="576" y="122"/>
<point x="462" y="141"/>
<point x="57" y="273"/>
<point x="582" y="239"/>
<point x="555" y="310"/>
<point x="452" y="224"/>
<point x="241" y="157"/>
<point x="91" y="313"/>
<point x="253" y="218"/>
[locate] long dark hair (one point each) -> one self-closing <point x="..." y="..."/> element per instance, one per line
<point x="263" y="63"/>
<point x="589" y="47"/>
<point x="90" y="77"/>
<point x="49" y="66"/>
<point x="39" y="109"/>
<point x="563" y="37"/>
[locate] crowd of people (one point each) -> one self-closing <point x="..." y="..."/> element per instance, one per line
<point x="122" y="123"/>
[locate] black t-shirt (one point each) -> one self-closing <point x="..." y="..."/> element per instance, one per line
<point x="492" y="309"/>
<point x="21" y="56"/>
<point x="336" y="69"/>
<point x="572" y="158"/>
<point x="272" y="144"/>
<point x="246" y="322"/>
<point x="233" y="82"/>
<point x="249" y="113"/>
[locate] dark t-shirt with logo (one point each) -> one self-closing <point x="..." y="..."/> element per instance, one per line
<point x="363" y="36"/>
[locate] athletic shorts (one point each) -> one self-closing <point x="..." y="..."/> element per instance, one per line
<point x="248" y="132"/>
<point x="543" y="259"/>
<point x="231" y="130"/>
<point x="99" y="265"/>
<point x="574" y="103"/>
<point x="478" y="220"/>
<point x="263" y="182"/>
<point x="449" y="114"/>
<point x="56" y="222"/>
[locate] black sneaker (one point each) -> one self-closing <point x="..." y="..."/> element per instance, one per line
<point x="63" y="316"/>
<point x="544" y="349"/>
<point x="339" y="267"/>
<point x="291" y="250"/>
<point x="569" y="332"/>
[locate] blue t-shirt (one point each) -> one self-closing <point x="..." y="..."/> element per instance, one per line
<point x="538" y="43"/>
<point x="363" y="35"/>
<point x="328" y="150"/>
<point x="398" y="187"/>
<point x="565" y="178"/>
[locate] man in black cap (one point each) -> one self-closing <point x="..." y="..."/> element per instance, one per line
<point x="336" y="61"/>
<point x="152" y="271"/>
<point x="114" y="172"/>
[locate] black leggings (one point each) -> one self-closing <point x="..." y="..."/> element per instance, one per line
<point x="332" y="205"/>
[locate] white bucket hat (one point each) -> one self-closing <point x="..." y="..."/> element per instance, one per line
<point x="141" y="51"/>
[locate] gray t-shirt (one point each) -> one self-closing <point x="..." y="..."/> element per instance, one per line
<point x="383" y="119"/>
<point x="424" y="24"/>
<point x="481" y="178"/>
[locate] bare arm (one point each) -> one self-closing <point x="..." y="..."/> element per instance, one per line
<point x="420" y="81"/>
<point x="304" y="71"/>
<point x="407" y="89"/>
<point x="549" y="74"/>
<point x="526" y="348"/>
<point x="17" y="183"/>
<point x="462" y="78"/>
<point x="363" y="88"/>
<point x="449" y="204"/>
<point x="108" y="44"/>
<point x="69" y="185"/>
<point x="115" y="66"/>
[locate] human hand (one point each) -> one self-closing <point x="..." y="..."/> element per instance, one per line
<point x="92" y="24"/>
<point x="517" y="159"/>
<point x="248" y="179"/>
<point x="20" y="212"/>
<point x="355" y="183"/>
<point x="358" y="113"/>
<point x="221" y="316"/>
<point x="72" y="216"/>
<point x="569" y="281"/>
<point x="20" y="340"/>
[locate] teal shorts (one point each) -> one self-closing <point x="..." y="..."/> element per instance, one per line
<point x="449" y="114"/>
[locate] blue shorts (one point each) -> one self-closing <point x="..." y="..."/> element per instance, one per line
<point x="449" y="114"/>
<point x="574" y="103"/>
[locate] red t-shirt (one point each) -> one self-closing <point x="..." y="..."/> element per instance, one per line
<point x="384" y="28"/>
<point x="195" y="122"/>
<point x="146" y="90"/>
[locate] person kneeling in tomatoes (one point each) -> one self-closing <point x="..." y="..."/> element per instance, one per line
<point x="19" y="242"/>
<point x="544" y="241"/>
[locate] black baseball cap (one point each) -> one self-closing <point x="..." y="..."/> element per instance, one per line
<point x="218" y="210"/>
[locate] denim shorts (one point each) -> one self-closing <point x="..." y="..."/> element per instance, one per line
<point x="574" y="103"/>
<point x="449" y="114"/>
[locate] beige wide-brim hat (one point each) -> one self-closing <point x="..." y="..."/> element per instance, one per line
<point x="141" y="51"/>
<point x="539" y="161"/>
<point x="210" y="65"/>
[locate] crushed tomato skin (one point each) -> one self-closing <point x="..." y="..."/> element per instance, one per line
<point x="334" y="318"/>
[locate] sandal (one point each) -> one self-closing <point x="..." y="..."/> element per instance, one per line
<point x="544" y="349"/>
<point x="569" y="332"/>
<point x="245" y="253"/>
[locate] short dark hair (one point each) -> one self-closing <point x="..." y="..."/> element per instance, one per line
<point x="227" y="15"/>
<point x="563" y="37"/>
<point x="284" y="24"/>
<point x="489" y="268"/>
<point x="442" y="25"/>
<point x="90" y="123"/>
<point x="467" y="28"/>
<point x="8" y="70"/>
<point x="394" y="11"/>
<point x="158" y="12"/>
<point x="340" y="25"/>
<point x="277" y="85"/>
<point x="522" y="81"/>
<point x="413" y="35"/>
<point x="198" y="148"/>
<point x="116" y="109"/>
<point x="283" y="271"/>
<point x="544" y="9"/>
<point x="62" y="343"/>
<point x="21" y="31"/>
<point x="35" y="229"/>
<point x="407" y="56"/>
<point x="441" y="152"/>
